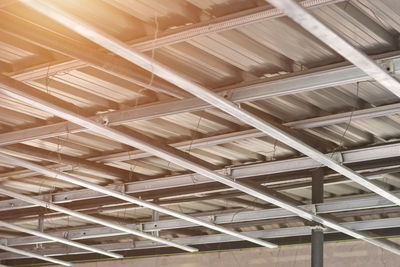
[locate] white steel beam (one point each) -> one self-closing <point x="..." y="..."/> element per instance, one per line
<point x="373" y="202"/>
<point x="367" y="113"/>
<point x="337" y="43"/>
<point x="170" y="75"/>
<point x="134" y="200"/>
<point x="93" y="219"/>
<point x="59" y="239"/>
<point x="385" y="151"/>
<point x="23" y="135"/>
<point x="301" y="82"/>
<point x="220" y="24"/>
<point x="221" y="238"/>
<point x="34" y="255"/>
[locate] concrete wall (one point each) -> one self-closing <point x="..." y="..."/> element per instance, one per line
<point x="354" y="254"/>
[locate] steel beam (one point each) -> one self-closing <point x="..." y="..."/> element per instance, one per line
<point x="197" y="143"/>
<point x="34" y="255"/>
<point x="365" y="23"/>
<point x="69" y="160"/>
<point x="181" y="34"/>
<point x="385" y="151"/>
<point x="58" y="239"/>
<point x="367" y="113"/>
<point x="375" y="112"/>
<point x="346" y="205"/>
<point x="93" y="219"/>
<point x="301" y="82"/>
<point x="214" y="192"/>
<point x="185" y="145"/>
<point x="220" y="24"/>
<point x="124" y="197"/>
<point x="103" y="61"/>
<point x="221" y="238"/>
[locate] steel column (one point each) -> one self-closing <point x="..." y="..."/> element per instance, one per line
<point x="317" y="232"/>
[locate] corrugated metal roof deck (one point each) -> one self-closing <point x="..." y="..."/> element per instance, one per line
<point x="267" y="50"/>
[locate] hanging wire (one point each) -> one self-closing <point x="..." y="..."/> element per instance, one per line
<point x="142" y="89"/>
<point x="132" y="167"/>
<point x="196" y="130"/>
<point x="350" y="119"/>
<point x="342" y="138"/>
<point x="372" y="12"/>
<point x="274" y="149"/>
<point x="241" y="209"/>
<point x="153" y="54"/>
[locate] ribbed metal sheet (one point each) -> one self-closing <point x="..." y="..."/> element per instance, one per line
<point x="257" y="51"/>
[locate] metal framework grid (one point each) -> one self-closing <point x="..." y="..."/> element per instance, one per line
<point x="236" y="130"/>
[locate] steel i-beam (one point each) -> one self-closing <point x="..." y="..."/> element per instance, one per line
<point x="35" y="255"/>
<point x="128" y="198"/>
<point x="58" y="239"/>
<point x="223" y="238"/>
<point x="93" y="219"/>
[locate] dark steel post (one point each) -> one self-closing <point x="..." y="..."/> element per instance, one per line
<point x="317" y="236"/>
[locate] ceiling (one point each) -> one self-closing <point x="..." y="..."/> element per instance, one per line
<point x="245" y="51"/>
